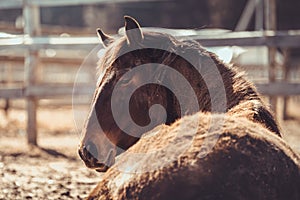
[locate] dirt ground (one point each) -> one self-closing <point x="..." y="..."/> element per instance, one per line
<point x="53" y="170"/>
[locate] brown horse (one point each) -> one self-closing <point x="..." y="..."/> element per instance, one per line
<point x="150" y="78"/>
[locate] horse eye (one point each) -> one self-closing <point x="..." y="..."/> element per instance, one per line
<point x="124" y="81"/>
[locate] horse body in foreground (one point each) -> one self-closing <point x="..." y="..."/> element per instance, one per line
<point x="227" y="147"/>
<point x="247" y="162"/>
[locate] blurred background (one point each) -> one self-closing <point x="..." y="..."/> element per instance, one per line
<point x="84" y="19"/>
<point x="48" y="55"/>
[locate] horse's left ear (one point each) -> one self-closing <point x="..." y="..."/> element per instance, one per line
<point x="106" y="39"/>
<point x="133" y="30"/>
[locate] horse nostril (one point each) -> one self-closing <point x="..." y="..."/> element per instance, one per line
<point x="91" y="150"/>
<point x="88" y="153"/>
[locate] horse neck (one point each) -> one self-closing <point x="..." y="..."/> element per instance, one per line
<point x="237" y="89"/>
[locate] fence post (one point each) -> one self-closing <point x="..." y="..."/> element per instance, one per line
<point x="31" y="15"/>
<point x="286" y="72"/>
<point x="270" y="23"/>
<point x="246" y="16"/>
<point x="259" y="15"/>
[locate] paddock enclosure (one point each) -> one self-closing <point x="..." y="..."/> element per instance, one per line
<point x="49" y="52"/>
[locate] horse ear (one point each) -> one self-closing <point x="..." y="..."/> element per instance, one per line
<point x="133" y="30"/>
<point x="105" y="39"/>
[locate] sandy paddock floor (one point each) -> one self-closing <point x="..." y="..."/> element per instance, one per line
<point x="51" y="171"/>
<point x="54" y="170"/>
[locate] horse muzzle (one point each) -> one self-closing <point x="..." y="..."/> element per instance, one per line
<point x="91" y="157"/>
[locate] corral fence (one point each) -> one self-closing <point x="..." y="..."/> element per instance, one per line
<point x="31" y="43"/>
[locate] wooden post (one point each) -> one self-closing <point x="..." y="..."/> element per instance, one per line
<point x="31" y="15"/>
<point x="246" y="16"/>
<point x="251" y="6"/>
<point x="8" y="81"/>
<point x="286" y="71"/>
<point x="270" y="23"/>
<point x="259" y="15"/>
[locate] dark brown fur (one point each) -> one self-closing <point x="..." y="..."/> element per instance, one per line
<point x="248" y="162"/>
